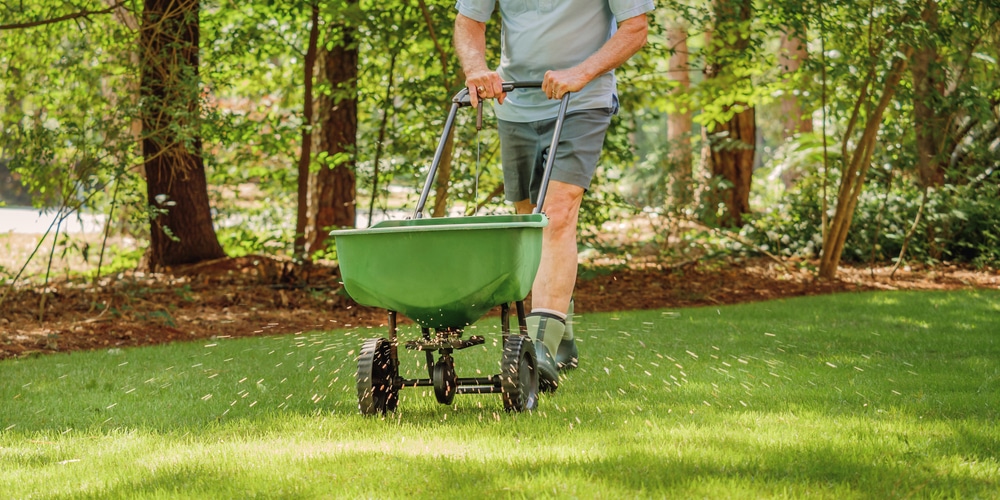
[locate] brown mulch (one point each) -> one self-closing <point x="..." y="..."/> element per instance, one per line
<point x="256" y="295"/>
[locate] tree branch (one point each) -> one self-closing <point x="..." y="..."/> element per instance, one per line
<point x="909" y="234"/>
<point x="67" y="17"/>
<point x="732" y="235"/>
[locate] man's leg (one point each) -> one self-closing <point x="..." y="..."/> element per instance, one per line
<point x="524" y="152"/>
<point x="556" y="278"/>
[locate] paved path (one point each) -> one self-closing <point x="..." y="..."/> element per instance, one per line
<point x="30" y="221"/>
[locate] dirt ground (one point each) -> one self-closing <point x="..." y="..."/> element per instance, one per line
<point x="260" y="296"/>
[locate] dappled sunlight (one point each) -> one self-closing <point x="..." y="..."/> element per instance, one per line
<point x="760" y="399"/>
<point x="912" y="323"/>
<point x="762" y="452"/>
<point x="883" y="300"/>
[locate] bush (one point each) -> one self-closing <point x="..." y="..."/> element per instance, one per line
<point x="960" y="223"/>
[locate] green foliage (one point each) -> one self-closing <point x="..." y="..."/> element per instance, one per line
<point x="68" y="104"/>
<point x="254" y="236"/>
<point x="121" y="259"/>
<point x="964" y="225"/>
<point x="960" y="223"/>
<point x="66" y="116"/>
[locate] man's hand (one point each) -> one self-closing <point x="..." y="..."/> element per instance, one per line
<point x="485" y="84"/>
<point x="557" y="83"/>
<point x="629" y="38"/>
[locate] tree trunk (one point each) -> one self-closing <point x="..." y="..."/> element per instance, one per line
<point x="791" y="55"/>
<point x="336" y="188"/>
<point x="305" y="155"/>
<point x="930" y="122"/>
<point x="181" y="230"/>
<point x="387" y="106"/>
<point x="679" y="123"/>
<point x="733" y="161"/>
<point x="730" y="152"/>
<point x="856" y="168"/>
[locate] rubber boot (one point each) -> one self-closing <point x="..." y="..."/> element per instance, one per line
<point x="566" y="355"/>
<point x="546" y="332"/>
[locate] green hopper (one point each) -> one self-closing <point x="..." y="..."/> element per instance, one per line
<point x="442" y="273"/>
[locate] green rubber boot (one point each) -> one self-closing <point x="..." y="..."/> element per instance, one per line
<point x="546" y="331"/>
<point x="567" y="356"/>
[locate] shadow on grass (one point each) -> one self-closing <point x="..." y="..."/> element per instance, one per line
<point x="731" y="466"/>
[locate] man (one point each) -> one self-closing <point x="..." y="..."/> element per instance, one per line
<point x="570" y="46"/>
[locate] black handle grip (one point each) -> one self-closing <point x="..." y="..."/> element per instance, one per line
<point x="508" y="86"/>
<point x="462" y="98"/>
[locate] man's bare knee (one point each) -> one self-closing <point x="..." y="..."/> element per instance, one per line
<point x="524" y="206"/>
<point x="562" y="205"/>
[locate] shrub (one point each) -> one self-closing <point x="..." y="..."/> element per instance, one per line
<point x="960" y="223"/>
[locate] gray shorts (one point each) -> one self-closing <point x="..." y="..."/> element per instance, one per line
<point x="524" y="148"/>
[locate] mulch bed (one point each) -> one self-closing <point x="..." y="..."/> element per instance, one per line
<point x="256" y="295"/>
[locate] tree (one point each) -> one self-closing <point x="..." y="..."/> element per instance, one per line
<point x="181" y="230"/>
<point x="336" y="189"/>
<point x="951" y="99"/>
<point x="451" y="83"/>
<point x="679" y="123"/>
<point x="731" y="138"/>
<point x="930" y="122"/>
<point x="877" y="88"/>
<point x="305" y="153"/>
<point x="792" y="55"/>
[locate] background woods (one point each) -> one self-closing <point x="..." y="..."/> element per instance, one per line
<point x="829" y="131"/>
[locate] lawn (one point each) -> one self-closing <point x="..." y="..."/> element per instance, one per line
<point x="866" y="395"/>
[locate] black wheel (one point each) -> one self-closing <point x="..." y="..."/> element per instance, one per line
<point x="377" y="373"/>
<point x="445" y="380"/>
<point x="519" y="374"/>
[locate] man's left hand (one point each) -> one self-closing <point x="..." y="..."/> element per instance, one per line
<point x="557" y="83"/>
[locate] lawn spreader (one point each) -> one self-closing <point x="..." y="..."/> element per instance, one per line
<point x="444" y="274"/>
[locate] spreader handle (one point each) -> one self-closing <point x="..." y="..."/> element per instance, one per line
<point x="550" y="160"/>
<point x="461" y="99"/>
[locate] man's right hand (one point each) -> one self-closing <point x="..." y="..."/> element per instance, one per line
<point x="485" y="85"/>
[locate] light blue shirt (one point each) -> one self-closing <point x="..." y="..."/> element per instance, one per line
<point x="542" y="35"/>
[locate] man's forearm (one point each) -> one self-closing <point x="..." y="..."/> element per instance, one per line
<point x="470" y="44"/>
<point x="630" y="37"/>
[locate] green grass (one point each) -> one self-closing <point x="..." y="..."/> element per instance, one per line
<point x="875" y="395"/>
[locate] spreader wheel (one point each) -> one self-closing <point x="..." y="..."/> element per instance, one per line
<point x="445" y="380"/>
<point x="377" y="372"/>
<point x="519" y="374"/>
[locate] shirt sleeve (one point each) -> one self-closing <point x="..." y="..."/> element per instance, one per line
<point x="625" y="9"/>
<point x="477" y="10"/>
